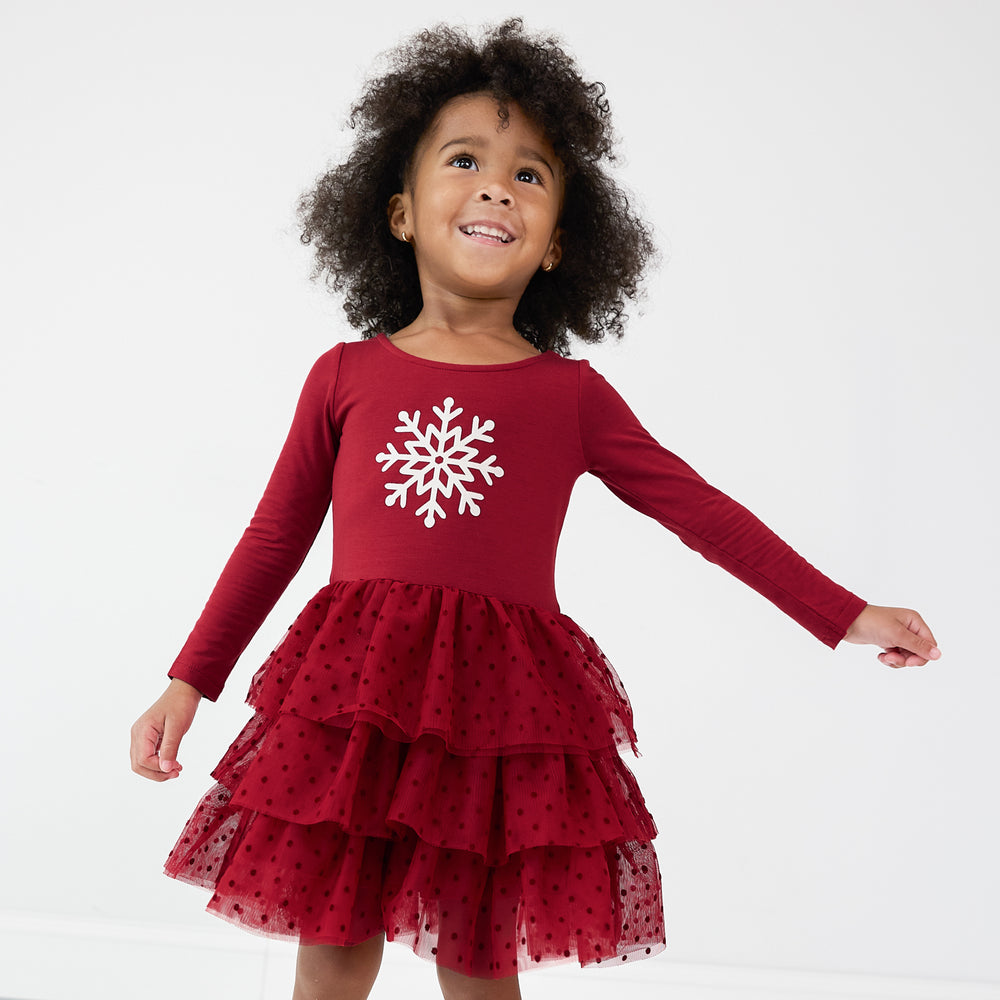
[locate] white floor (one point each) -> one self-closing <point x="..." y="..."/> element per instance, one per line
<point x="46" y="959"/>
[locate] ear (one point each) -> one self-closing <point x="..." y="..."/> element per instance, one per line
<point x="399" y="216"/>
<point x="554" y="254"/>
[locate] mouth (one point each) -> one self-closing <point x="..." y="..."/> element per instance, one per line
<point x="487" y="234"/>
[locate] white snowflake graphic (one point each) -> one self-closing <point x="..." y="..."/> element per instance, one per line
<point x="438" y="461"/>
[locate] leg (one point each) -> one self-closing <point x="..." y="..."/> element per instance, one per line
<point x="328" y="972"/>
<point x="455" y="986"/>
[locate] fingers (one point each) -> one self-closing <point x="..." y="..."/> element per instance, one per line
<point x="913" y="643"/>
<point x="156" y="737"/>
<point x="919" y="636"/>
<point x="905" y="639"/>
<point x="146" y="761"/>
<point x="169" y="745"/>
<point x="896" y="657"/>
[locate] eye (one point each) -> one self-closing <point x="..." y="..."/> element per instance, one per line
<point x="463" y="161"/>
<point x="528" y="176"/>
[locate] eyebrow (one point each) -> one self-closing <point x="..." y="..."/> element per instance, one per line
<point x="525" y="152"/>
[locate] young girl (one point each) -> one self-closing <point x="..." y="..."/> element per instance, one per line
<point x="433" y="757"/>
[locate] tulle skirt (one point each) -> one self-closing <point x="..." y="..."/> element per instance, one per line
<point x="440" y="766"/>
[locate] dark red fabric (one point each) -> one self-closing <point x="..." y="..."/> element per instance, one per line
<point x="434" y="749"/>
<point x="554" y="420"/>
<point x="447" y="785"/>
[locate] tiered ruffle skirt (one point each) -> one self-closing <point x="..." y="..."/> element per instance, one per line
<point x="439" y="766"/>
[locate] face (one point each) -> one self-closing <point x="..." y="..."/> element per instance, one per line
<point x="482" y="204"/>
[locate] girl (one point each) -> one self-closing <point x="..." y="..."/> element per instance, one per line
<point x="433" y="757"/>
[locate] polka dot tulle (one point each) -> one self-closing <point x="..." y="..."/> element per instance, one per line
<point x="441" y="766"/>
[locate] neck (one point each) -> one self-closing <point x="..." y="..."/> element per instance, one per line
<point x="465" y="315"/>
<point x="473" y="336"/>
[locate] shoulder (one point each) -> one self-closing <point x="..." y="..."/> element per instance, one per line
<point x="573" y="369"/>
<point x="325" y="374"/>
<point x="324" y="369"/>
<point x="588" y="378"/>
<point x="567" y="364"/>
<point x="601" y="403"/>
<point x="329" y="364"/>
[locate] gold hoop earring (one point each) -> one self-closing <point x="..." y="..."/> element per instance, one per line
<point x="405" y="240"/>
<point x="549" y="266"/>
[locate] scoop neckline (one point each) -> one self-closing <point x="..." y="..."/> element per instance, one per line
<point x="384" y="340"/>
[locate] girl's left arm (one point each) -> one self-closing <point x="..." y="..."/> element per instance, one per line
<point x="636" y="468"/>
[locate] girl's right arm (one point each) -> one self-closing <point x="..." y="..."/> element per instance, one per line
<point x="268" y="555"/>
<point x="280" y="534"/>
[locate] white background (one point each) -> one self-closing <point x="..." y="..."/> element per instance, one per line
<point x="820" y="341"/>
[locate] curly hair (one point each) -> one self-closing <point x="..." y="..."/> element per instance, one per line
<point x="605" y="245"/>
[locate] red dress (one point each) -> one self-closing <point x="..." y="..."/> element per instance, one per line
<point x="434" y="748"/>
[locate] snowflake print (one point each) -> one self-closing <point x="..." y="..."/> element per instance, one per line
<point x="438" y="461"/>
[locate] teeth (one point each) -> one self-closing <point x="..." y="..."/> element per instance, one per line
<point x="497" y="234"/>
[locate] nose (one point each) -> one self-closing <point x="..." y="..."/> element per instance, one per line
<point x="495" y="190"/>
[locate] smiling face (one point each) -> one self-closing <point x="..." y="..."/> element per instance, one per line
<point x="482" y="202"/>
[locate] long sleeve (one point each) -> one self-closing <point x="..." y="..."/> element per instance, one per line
<point x="275" y="543"/>
<point x="642" y="473"/>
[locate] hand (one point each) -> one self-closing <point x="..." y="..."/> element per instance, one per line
<point x="157" y="733"/>
<point x="905" y="639"/>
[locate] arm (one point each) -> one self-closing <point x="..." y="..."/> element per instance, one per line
<point x="277" y="540"/>
<point x="268" y="555"/>
<point x="637" y="469"/>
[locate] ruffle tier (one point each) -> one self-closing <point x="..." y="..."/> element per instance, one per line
<point x="440" y="766"/>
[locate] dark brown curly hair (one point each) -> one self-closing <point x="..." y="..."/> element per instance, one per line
<point x="605" y="245"/>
